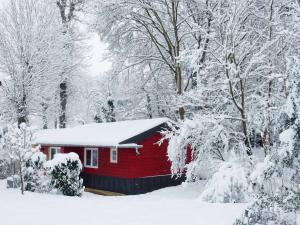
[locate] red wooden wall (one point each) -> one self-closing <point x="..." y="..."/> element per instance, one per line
<point x="151" y="161"/>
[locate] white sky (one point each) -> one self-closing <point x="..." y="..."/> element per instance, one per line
<point x="97" y="64"/>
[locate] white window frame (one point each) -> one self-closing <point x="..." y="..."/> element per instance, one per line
<point x="57" y="150"/>
<point x="111" y="155"/>
<point x="91" y="149"/>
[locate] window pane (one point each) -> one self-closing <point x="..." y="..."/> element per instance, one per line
<point x="52" y="152"/>
<point x="95" y="158"/>
<point x="88" y="157"/>
<point x="114" y="155"/>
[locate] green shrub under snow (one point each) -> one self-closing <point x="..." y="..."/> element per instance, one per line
<point x="65" y="174"/>
<point x="36" y="178"/>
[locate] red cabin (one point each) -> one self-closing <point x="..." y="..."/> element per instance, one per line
<point x="121" y="157"/>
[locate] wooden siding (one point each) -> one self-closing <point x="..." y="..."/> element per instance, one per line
<point x="151" y="160"/>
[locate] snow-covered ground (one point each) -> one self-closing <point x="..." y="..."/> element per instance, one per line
<point x="174" y="206"/>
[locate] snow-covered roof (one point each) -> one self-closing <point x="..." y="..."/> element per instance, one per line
<point x="98" y="134"/>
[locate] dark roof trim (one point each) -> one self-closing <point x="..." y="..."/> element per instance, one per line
<point x="145" y="135"/>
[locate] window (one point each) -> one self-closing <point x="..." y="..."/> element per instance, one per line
<point x="113" y="155"/>
<point x="53" y="151"/>
<point x="91" y="157"/>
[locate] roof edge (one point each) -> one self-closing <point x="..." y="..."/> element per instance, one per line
<point x="142" y="136"/>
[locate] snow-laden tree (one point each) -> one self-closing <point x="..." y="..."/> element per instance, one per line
<point x="277" y="179"/>
<point x="148" y="37"/>
<point x="17" y="143"/>
<point x="198" y="147"/>
<point x="236" y="77"/>
<point x="231" y="52"/>
<point x="31" y="47"/>
<point x="68" y="11"/>
<point x="239" y="89"/>
<point x="102" y="99"/>
<point x="233" y="79"/>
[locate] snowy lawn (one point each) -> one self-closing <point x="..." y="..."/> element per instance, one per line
<point x="175" y="205"/>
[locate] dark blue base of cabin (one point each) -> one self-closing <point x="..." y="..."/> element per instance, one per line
<point x="129" y="186"/>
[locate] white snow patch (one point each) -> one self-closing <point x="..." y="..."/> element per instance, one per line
<point x="38" y="156"/>
<point x="63" y="158"/>
<point x="183" y="191"/>
<point x="175" y="206"/>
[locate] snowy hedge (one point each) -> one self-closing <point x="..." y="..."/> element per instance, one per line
<point x="65" y="174"/>
<point x="228" y="185"/>
<point x="35" y="176"/>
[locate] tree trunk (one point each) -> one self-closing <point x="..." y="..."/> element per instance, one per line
<point x="111" y="117"/>
<point x="246" y="135"/>
<point x="44" y="116"/>
<point x="266" y="139"/>
<point x="181" y="110"/>
<point x="240" y="107"/>
<point x="22" y="119"/>
<point x="178" y="72"/>
<point x="63" y="104"/>
<point x="22" y="112"/>
<point x="45" y="122"/>
<point x="21" y="178"/>
<point x="66" y="9"/>
<point x="148" y="106"/>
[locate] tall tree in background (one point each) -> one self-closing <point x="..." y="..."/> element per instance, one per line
<point x="243" y="85"/>
<point x="150" y="34"/>
<point x="278" y="184"/>
<point x="67" y="9"/>
<point x="29" y="57"/>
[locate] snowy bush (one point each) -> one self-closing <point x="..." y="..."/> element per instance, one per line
<point x="228" y="185"/>
<point x="61" y="174"/>
<point x="65" y="174"/>
<point x="36" y="178"/>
